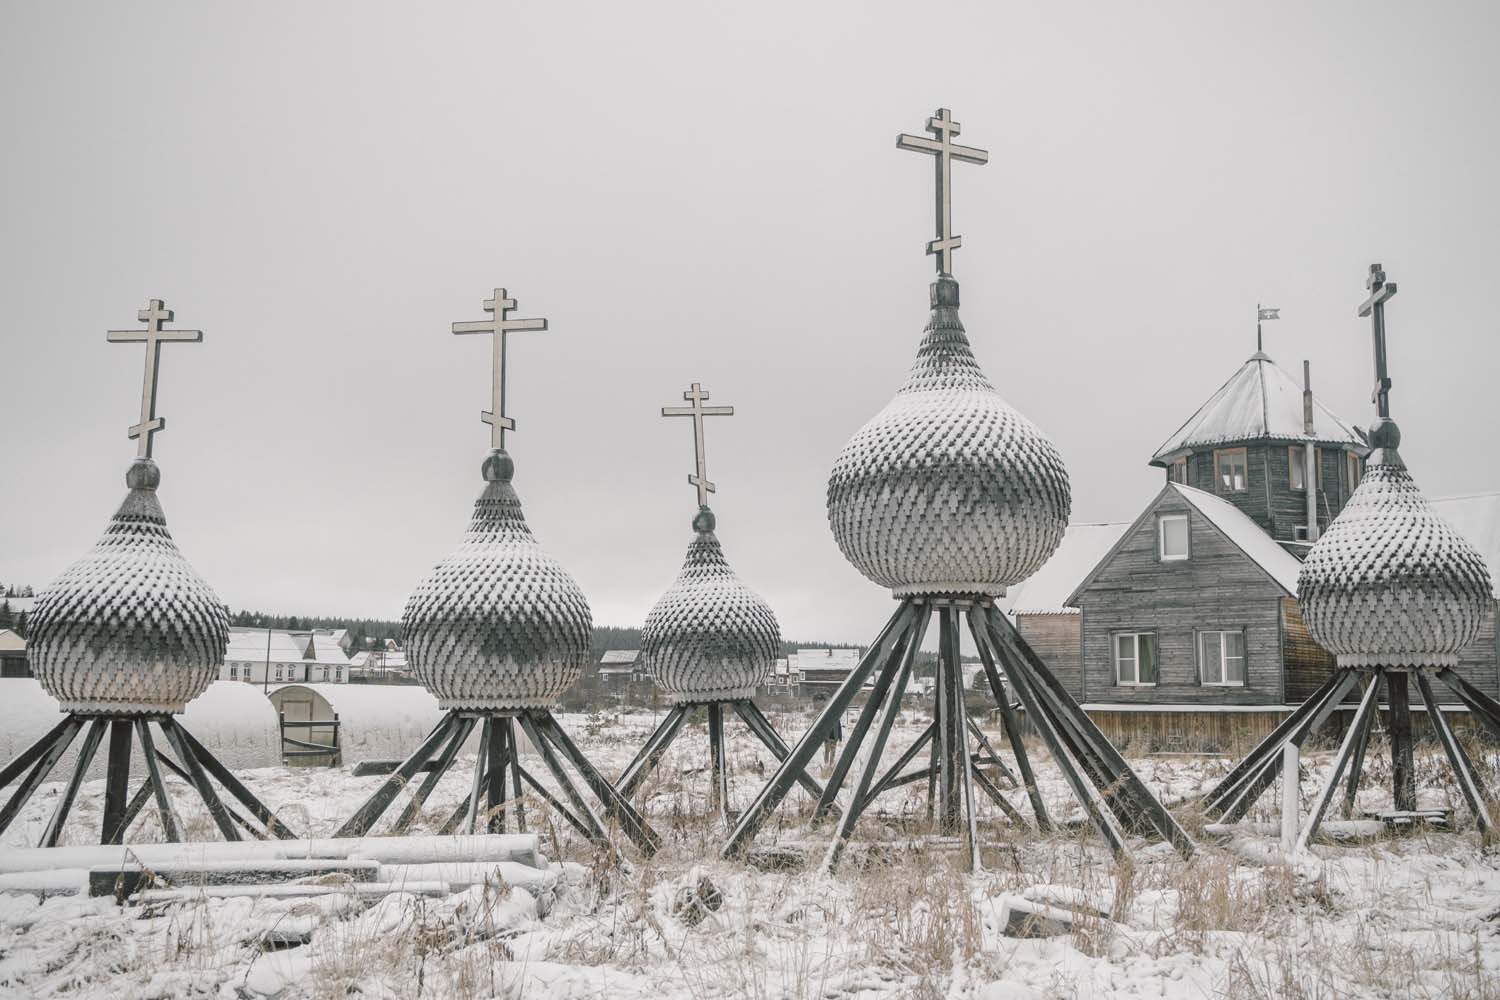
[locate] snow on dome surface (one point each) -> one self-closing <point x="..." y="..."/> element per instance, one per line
<point x="130" y="627"/>
<point x="1260" y="401"/>
<point x="709" y="637"/>
<point x="948" y="489"/>
<point x="1390" y="583"/>
<point x="499" y="624"/>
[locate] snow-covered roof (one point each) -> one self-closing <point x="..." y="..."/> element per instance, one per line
<point x="10" y="642"/>
<point x="1249" y="537"/>
<point x="1259" y="401"/>
<point x="619" y="656"/>
<point x="1477" y="518"/>
<point x="249" y="644"/>
<point x="1046" y="591"/>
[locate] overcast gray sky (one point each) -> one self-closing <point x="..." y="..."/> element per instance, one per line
<point x="711" y="193"/>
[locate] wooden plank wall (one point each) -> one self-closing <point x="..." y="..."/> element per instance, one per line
<point x="1218" y="587"/>
<point x="1058" y="640"/>
<point x="1308" y="665"/>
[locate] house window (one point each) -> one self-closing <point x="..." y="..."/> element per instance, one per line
<point x="1177" y="472"/>
<point x="1221" y="658"/>
<point x="1135" y="659"/>
<point x="1299" y="533"/>
<point x="1172" y="537"/>
<point x="234" y="673"/>
<point x="1297" y="458"/>
<point x="338" y="673"/>
<point x="1232" y="475"/>
<point x="1354" y="469"/>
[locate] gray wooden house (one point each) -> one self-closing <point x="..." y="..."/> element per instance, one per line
<point x="1185" y="631"/>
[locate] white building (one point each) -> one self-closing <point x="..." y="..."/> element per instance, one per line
<point x="305" y="657"/>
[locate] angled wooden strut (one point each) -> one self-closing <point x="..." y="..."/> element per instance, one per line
<point x="1233" y="797"/>
<point x="667" y="731"/>
<point x="1112" y="795"/>
<point x="491" y="796"/>
<point x="194" y="764"/>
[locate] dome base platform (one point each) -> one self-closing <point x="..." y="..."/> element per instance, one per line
<point x="1111" y="794"/>
<point x="194" y="765"/>
<point x="1232" y="798"/>
<point x="499" y="759"/>
<point x="755" y="720"/>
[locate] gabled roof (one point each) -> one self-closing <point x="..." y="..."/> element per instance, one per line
<point x="1046" y="591"/>
<point x="10" y="642"/>
<point x="1260" y="401"/>
<point x="1477" y="518"/>
<point x="616" y="656"/>
<point x="1279" y="565"/>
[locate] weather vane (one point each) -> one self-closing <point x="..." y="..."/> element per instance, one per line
<point x="500" y="306"/>
<point x="154" y="315"/>
<point x="944" y="151"/>
<point x="696" y="395"/>
<point x="1374" y="307"/>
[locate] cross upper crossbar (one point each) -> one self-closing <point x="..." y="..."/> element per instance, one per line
<point x="697" y="395"/>
<point x="944" y="151"/>
<point x="153" y="315"/>
<point x="500" y="306"/>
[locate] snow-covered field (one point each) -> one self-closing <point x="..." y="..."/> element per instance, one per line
<point x="1412" y="916"/>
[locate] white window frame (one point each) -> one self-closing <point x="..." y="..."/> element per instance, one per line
<point x="1219" y="484"/>
<point x="1161" y="538"/>
<point x="234" y="672"/>
<point x="1134" y="660"/>
<point x="1299" y="533"/>
<point x="1224" y="658"/>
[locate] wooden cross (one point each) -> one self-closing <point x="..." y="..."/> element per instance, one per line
<point x="696" y="395"/>
<point x="944" y="151"/>
<point x="1374" y="307"/>
<point x="500" y="306"/>
<point x="154" y="315"/>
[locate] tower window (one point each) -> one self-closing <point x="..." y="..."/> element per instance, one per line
<point x="1354" y="469"/>
<point x="1177" y="471"/>
<point x="1232" y="475"/>
<point x="1297" y="459"/>
<point x="1172" y="537"/>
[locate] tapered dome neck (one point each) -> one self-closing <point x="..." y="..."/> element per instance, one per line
<point x="498" y="509"/>
<point x="143" y="474"/>
<point x="944" y="359"/>
<point x="1385" y="439"/>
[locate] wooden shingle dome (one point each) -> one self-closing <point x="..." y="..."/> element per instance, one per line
<point x="499" y="624"/>
<point x="948" y="489"/>
<point x="131" y="627"/>
<point x="709" y="637"/>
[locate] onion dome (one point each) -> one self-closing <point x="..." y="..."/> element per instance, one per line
<point x="130" y="628"/>
<point x="499" y="624"/>
<point x="948" y="490"/>
<point x="1390" y="583"/>
<point x="709" y="637"/>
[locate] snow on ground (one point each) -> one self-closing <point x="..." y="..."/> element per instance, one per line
<point x="1410" y="916"/>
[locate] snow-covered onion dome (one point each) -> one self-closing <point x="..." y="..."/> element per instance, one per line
<point x="1390" y="583"/>
<point x="948" y="490"/>
<point x="499" y="624"/>
<point x="710" y="637"/>
<point x="131" y="627"/>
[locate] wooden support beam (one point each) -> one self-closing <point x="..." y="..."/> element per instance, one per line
<point x="86" y="753"/>
<point x="459" y="734"/>
<point x="588" y="822"/>
<point x="1008" y="719"/>
<point x="756" y="721"/>
<point x="369" y="813"/>
<point x="1346" y="751"/>
<point x="1356" y="765"/>
<point x="1469" y="782"/>
<point x="796" y="762"/>
<point x="616" y="806"/>
<point x="476" y="791"/>
<point x="1403" y="763"/>
<point x="116" y="782"/>
<point x="196" y="777"/>
<point x="42" y="759"/>
<point x="718" y="795"/>
<point x="651" y="752"/>
<point x="856" y="738"/>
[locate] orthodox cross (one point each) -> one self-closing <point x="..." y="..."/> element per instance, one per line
<point x="696" y="395"/>
<point x="500" y="306"/>
<point x="944" y="152"/>
<point x="154" y="315"/>
<point x="1374" y="307"/>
